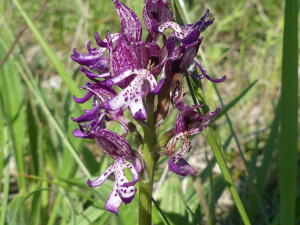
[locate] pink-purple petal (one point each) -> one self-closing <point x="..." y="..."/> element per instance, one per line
<point x="101" y="178"/>
<point x="181" y="167"/>
<point x="83" y="99"/>
<point x="131" y="24"/>
<point x="113" y="202"/>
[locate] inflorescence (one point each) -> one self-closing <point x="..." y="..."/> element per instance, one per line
<point x="138" y="68"/>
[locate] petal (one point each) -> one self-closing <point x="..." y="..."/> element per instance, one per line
<point x="158" y="89"/>
<point x="111" y="143"/>
<point x="141" y="53"/>
<point x="180" y="166"/>
<point x="146" y="18"/>
<point x="171" y="43"/>
<point x="135" y="175"/>
<point x="136" y="163"/>
<point x="183" y="149"/>
<point x="131" y="24"/>
<point x="138" y="110"/>
<point x="121" y="77"/>
<point x="88" y="116"/>
<point x="190" y="53"/>
<point x="83" y="99"/>
<point x="86" y="60"/>
<point x="113" y="202"/>
<point x="204" y="74"/>
<point x="78" y="133"/>
<point x="199" y="125"/>
<point x="127" y="194"/>
<point x="124" y="58"/>
<point x="90" y="74"/>
<point x="179" y="123"/>
<point x="131" y="95"/>
<point x="172" y="25"/>
<point x="101" y="178"/>
<point x="206" y="24"/>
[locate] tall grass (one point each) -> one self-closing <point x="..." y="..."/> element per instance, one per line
<point x="45" y="169"/>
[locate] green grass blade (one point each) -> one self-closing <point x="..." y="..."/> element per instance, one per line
<point x="5" y="154"/>
<point x="13" y="99"/>
<point x="229" y="182"/>
<point x="263" y="170"/>
<point x="188" y="208"/>
<point x="177" y="11"/>
<point x="70" y="83"/>
<point x="231" y="104"/>
<point x="160" y="211"/>
<point x="289" y="114"/>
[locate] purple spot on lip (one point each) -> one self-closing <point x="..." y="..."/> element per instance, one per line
<point x="126" y="99"/>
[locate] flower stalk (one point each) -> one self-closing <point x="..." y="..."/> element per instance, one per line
<point x="146" y="183"/>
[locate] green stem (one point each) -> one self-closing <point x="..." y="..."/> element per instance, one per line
<point x="146" y="180"/>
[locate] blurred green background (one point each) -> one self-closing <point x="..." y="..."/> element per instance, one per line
<point x="44" y="168"/>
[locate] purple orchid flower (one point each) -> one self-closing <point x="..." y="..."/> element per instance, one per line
<point x="94" y="117"/>
<point x="119" y="149"/>
<point x="188" y="122"/>
<point x="185" y="34"/>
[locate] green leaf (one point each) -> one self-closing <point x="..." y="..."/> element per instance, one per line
<point x="263" y="170"/>
<point x="5" y="156"/>
<point x="231" y="104"/>
<point x="188" y="208"/>
<point x="160" y="211"/>
<point x="13" y="98"/>
<point x="229" y="182"/>
<point x="288" y="143"/>
<point x="177" y="12"/>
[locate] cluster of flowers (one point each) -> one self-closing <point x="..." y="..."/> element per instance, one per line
<point x="139" y="67"/>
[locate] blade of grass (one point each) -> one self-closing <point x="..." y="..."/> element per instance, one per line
<point x="263" y="170"/>
<point x="69" y="82"/>
<point x="231" y="104"/>
<point x="212" y="216"/>
<point x="229" y="182"/>
<point x="188" y="208"/>
<point x="287" y="157"/>
<point x="5" y="153"/>
<point x="13" y="99"/>
<point x="160" y="211"/>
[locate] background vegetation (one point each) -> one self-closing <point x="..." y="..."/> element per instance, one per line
<point x="45" y="168"/>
